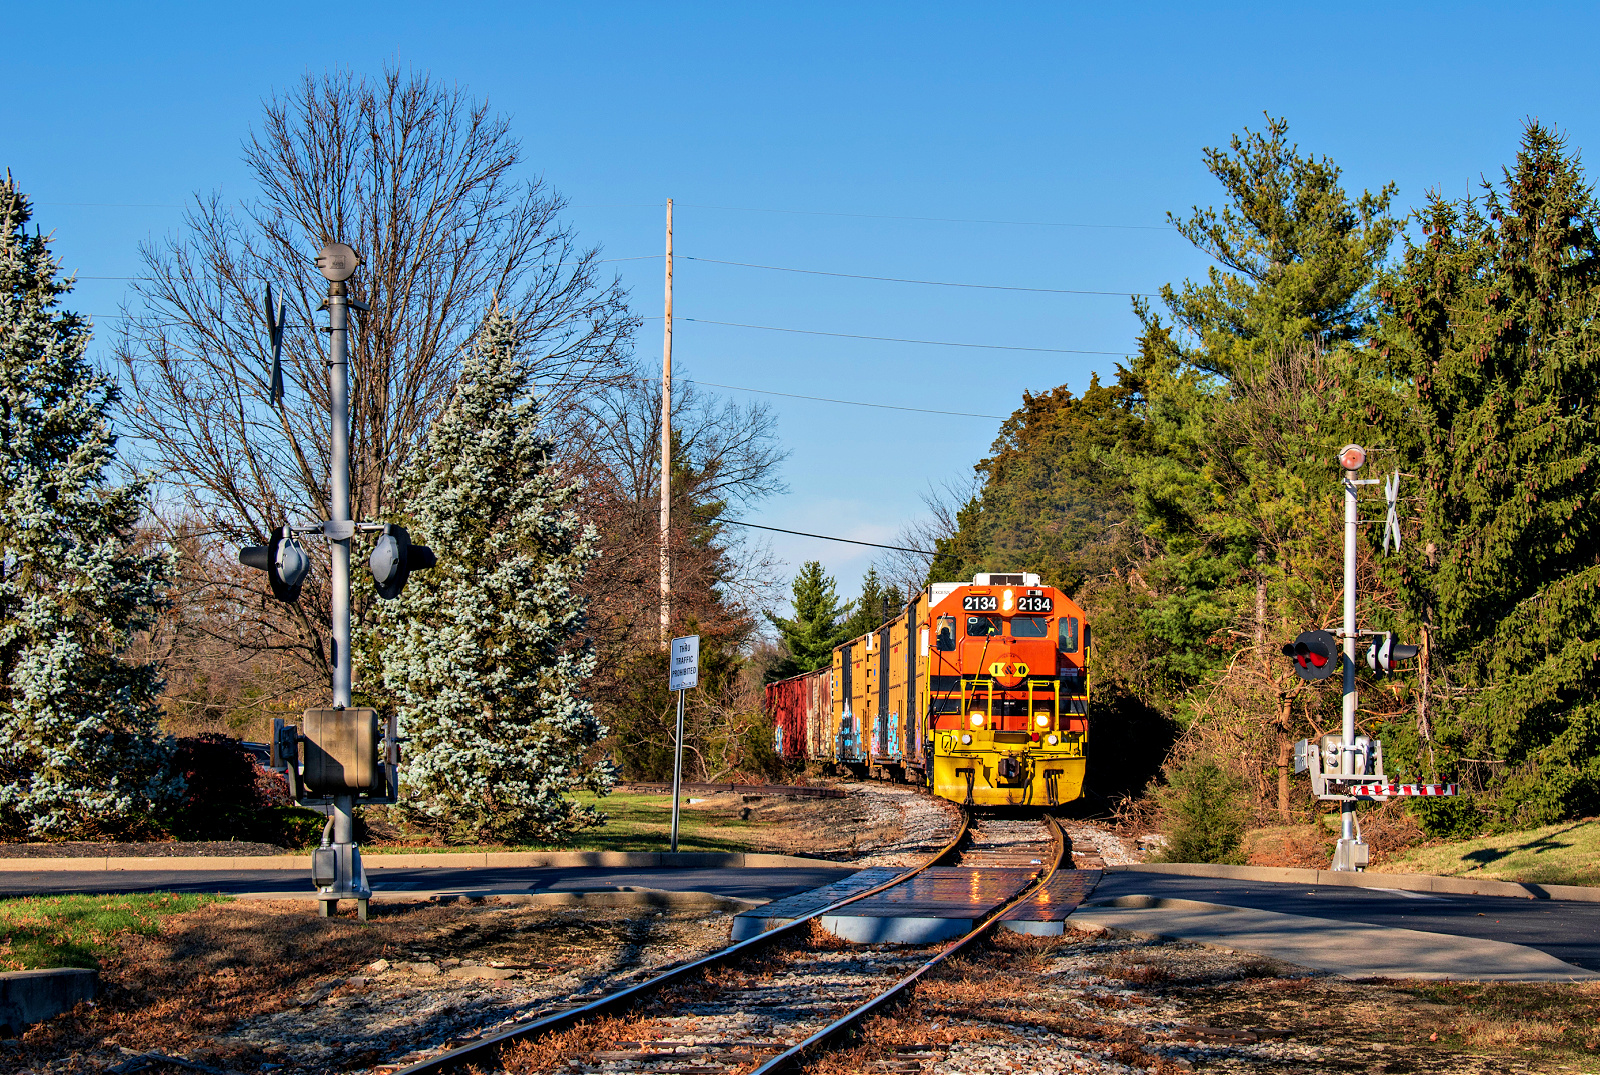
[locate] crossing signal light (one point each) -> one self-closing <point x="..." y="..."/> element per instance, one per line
<point x="1315" y="654"/>
<point x="1385" y="653"/>
<point x="283" y="559"/>
<point x="395" y="558"/>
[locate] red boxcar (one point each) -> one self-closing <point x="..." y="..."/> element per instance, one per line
<point x="800" y="707"/>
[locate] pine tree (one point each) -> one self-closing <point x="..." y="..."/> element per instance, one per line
<point x="482" y="655"/>
<point x="81" y="750"/>
<point x="1242" y="410"/>
<point x="818" y="623"/>
<point x="1492" y="334"/>
<point x="1051" y="499"/>
<point x="871" y="607"/>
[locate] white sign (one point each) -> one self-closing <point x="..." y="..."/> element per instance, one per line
<point x="683" y="671"/>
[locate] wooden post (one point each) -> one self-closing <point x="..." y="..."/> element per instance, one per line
<point x="666" y="450"/>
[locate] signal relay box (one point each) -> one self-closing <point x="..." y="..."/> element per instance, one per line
<point x="351" y="751"/>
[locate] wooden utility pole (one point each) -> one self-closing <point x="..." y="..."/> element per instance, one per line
<point x="666" y="451"/>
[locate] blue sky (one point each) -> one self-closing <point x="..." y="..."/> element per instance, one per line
<point x="1068" y="114"/>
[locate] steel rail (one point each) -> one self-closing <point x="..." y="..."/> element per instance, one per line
<point x="486" y="1050"/>
<point x="792" y="1059"/>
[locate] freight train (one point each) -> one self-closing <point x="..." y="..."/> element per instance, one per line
<point x="979" y="691"/>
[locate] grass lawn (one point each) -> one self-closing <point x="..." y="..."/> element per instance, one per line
<point x="1506" y="1018"/>
<point x="1564" y="854"/>
<point x="73" y="931"/>
<point x="638" y="822"/>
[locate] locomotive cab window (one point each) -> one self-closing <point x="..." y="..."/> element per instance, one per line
<point x="1068" y="626"/>
<point x="1030" y="627"/>
<point x="983" y="626"/>
<point x="946" y="638"/>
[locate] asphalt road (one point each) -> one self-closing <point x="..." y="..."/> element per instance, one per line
<point x="1567" y="930"/>
<point x="742" y="882"/>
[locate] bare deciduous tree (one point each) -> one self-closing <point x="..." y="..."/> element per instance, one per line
<point x="726" y="456"/>
<point x="423" y="182"/>
<point x="909" y="570"/>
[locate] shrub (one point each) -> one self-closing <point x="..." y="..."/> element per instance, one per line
<point x="297" y="827"/>
<point x="1202" y="812"/>
<point x="228" y="794"/>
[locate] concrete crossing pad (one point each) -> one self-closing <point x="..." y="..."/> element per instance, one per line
<point x="1044" y="913"/>
<point x="1348" y="949"/>
<point x="939" y="904"/>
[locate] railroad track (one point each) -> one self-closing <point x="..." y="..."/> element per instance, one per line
<point x="768" y="1004"/>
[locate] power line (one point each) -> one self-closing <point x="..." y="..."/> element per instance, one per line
<point x="728" y="209"/>
<point x="899" y="339"/>
<point x="935" y="219"/>
<point x="849" y="402"/>
<point x="116" y="205"/>
<point x="820" y="537"/>
<point x="601" y="261"/>
<point x="904" y="280"/>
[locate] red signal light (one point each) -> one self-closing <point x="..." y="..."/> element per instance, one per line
<point x="1314" y="654"/>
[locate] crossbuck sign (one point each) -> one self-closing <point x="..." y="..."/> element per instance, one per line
<point x="684" y="671"/>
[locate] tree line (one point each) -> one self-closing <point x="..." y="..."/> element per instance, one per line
<point x="1192" y="501"/>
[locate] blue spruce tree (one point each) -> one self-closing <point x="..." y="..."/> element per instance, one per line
<point x="481" y="656"/>
<point x="81" y="750"/>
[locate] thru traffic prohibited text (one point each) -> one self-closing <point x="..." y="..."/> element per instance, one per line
<point x="684" y="671"/>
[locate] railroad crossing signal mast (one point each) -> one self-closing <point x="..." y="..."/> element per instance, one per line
<point x="350" y="754"/>
<point x="1348" y="767"/>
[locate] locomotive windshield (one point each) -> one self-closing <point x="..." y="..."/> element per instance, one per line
<point x="1030" y="627"/>
<point x="983" y="626"/>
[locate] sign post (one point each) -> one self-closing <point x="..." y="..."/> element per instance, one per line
<point x="683" y="672"/>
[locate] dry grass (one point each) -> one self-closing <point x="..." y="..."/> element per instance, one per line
<point x="1015" y="988"/>
<point x="1545" y="1020"/>
<point x="183" y="989"/>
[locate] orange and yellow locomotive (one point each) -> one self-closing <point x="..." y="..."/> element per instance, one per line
<point x="979" y="690"/>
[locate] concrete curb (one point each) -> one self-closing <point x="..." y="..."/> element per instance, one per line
<point x="1347" y="949"/>
<point x="623" y="896"/>
<point x="1407" y="882"/>
<point x="683" y="860"/>
<point x="32" y="996"/>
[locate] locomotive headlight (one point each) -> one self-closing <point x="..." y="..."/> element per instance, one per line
<point x="1042" y="720"/>
<point x="976" y="720"/>
<point x="1051" y="739"/>
<point x="966" y="740"/>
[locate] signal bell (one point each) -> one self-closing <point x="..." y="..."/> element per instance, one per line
<point x="1385" y="653"/>
<point x="283" y="559"/>
<point x="1315" y="653"/>
<point x="395" y="558"/>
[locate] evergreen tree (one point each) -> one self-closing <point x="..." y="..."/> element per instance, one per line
<point x="481" y="655"/>
<point x="1243" y="410"/>
<point x="876" y="599"/>
<point x="1202" y="812"/>
<point x="1493" y="338"/>
<point x="818" y="624"/>
<point x="81" y="751"/>
<point x="1052" y="495"/>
